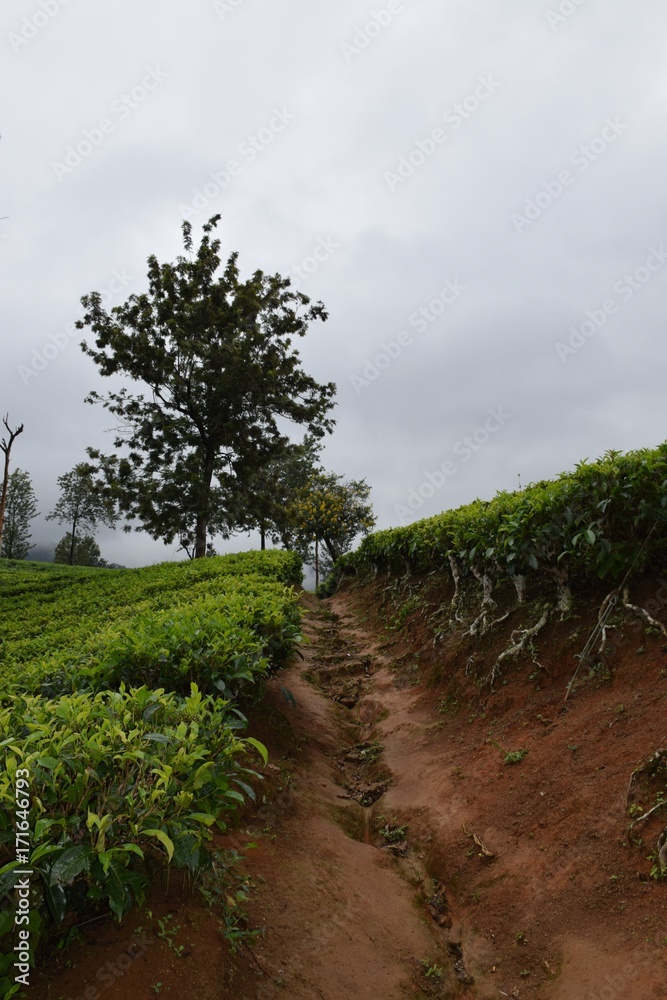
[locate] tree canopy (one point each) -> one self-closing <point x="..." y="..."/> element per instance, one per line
<point x="264" y="499"/>
<point x="82" y="505"/>
<point x="20" y="509"/>
<point x="332" y="512"/>
<point x="220" y="375"/>
<point x="78" y="551"/>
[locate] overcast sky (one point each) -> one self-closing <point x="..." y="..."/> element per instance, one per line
<point x="475" y="189"/>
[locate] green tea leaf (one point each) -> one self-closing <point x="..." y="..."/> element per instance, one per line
<point x="70" y="864"/>
<point x="164" y="840"/>
<point x="263" y="752"/>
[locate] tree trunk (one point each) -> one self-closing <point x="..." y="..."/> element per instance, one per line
<point x="317" y="564"/>
<point x="72" y="543"/>
<point x="262" y="535"/>
<point x="3" y="498"/>
<point x="202" y="516"/>
<point x="6" y="447"/>
<point x="200" y="536"/>
<point x="333" y="555"/>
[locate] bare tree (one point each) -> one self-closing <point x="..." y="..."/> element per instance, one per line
<point x="6" y="447"/>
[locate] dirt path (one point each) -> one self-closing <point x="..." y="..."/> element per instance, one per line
<point x="397" y="855"/>
<point x="401" y="858"/>
<point x="344" y="917"/>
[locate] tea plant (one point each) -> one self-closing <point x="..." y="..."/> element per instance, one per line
<point x="118" y="695"/>
<point x="586" y="525"/>
<point x="221" y="623"/>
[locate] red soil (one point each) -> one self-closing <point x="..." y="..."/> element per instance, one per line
<point x="356" y="907"/>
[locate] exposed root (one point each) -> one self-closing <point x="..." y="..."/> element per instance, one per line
<point x="497" y="621"/>
<point x="600" y="629"/>
<point x="457" y="617"/>
<point x="649" y="813"/>
<point x="456" y="576"/>
<point x="602" y="648"/>
<point x="650" y="767"/>
<point x="518" y="645"/>
<point x="519" y="582"/>
<point x="487" y="587"/>
<point x="565" y="598"/>
<point x="662" y="851"/>
<point x="650" y="770"/>
<point x="483" y="849"/>
<point x="603" y="624"/>
<point x="481" y="626"/>
<point x="642" y="612"/>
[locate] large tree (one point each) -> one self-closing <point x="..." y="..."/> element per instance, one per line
<point x="20" y="508"/>
<point x="6" y="448"/>
<point x="215" y="356"/>
<point x="83" y="504"/>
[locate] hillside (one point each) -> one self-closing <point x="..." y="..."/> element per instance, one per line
<point x="465" y="787"/>
<point x="419" y="835"/>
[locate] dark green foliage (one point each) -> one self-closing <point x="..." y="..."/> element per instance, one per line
<point x="120" y="784"/>
<point x="78" y="551"/>
<point x="263" y="500"/>
<point x="20" y="509"/>
<point x="215" y="354"/>
<point x="332" y="511"/>
<point x="83" y="504"/>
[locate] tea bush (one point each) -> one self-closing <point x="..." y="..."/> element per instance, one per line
<point x="593" y="523"/>
<point x="220" y="622"/>
<point x="120" y="782"/>
<point x="118" y="693"/>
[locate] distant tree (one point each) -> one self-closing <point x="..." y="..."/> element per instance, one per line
<point x="83" y="505"/>
<point x="21" y="507"/>
<point x="264" y="498"/>
<point x="6" y="447"/>
<point x="216" y="356"/>
<point x="330" y="512"/>
<point x="83" y="551"/>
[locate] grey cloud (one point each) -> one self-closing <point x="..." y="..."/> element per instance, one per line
<point x="324" y="177"/>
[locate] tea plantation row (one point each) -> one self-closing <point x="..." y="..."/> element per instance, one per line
<point x="119" y="694"/>
<point x="597" y="522"/>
